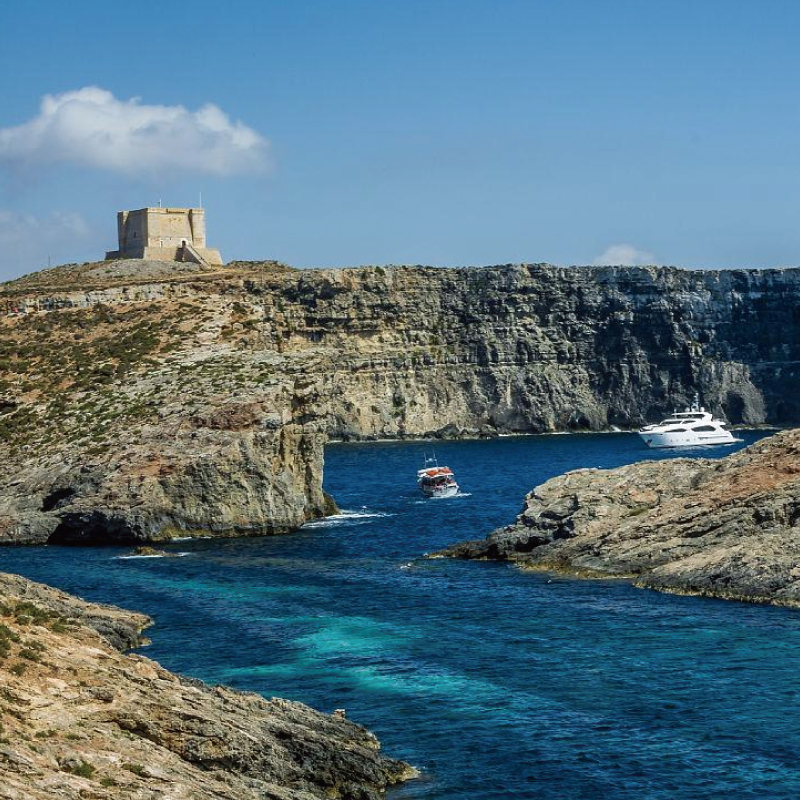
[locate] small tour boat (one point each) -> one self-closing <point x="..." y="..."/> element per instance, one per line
<point x="690" y="428"/>
<point x="436" y="481"/>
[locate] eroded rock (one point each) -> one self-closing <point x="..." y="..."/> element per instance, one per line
<point x="145" y="401"/>
<point x="82" y="719"/>
<point x="727" y="528"/>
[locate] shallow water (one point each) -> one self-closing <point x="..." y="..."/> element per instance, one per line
<point x="495" y="683"/>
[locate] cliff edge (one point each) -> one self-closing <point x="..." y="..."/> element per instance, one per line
<point x="141" y="400"/>
<point x="81" y="719"/>
<point x="726" y="528"/>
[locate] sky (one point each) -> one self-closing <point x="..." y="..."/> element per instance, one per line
<point x="448" y="132"/>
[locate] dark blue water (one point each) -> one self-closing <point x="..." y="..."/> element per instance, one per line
<point x="495" y="683"/>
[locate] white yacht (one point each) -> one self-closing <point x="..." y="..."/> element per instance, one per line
<point x="689" y="428"/>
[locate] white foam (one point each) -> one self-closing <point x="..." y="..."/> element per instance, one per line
<point x="452" y="496"/>
<point x="346" y="516"/>
<point x="154" y="555"/>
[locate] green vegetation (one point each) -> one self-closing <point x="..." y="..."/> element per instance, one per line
<point x="84" y="769"/>
<point x="60" y="371"/>
<point x="26" y="613"/>
<point x="30" y="655"/>
<point x="73" y="379"/>
<point x="7" y="633"/>
<point x="85" y="349"/>
<point x="7" y="636"/>
<point x="136" y="769"/>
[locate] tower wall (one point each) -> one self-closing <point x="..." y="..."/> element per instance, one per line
<point x="162" y="233"/>
<point x="197" y="219"/>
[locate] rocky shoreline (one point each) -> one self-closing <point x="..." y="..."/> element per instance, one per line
<point x="81" y="719"/>
<point x="726" y="528"/>
<point x="142" y="401"/>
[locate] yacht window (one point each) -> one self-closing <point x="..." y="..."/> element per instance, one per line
<point x="676" y="430"/>
<point x="704" y="428"/>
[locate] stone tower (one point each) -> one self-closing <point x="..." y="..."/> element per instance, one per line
<point x="164" y="234"/>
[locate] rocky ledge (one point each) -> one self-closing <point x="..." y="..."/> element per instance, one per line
<point x="80" y="719"/>
<point x="726" y="528"/>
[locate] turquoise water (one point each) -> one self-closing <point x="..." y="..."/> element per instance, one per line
<point x="494" y="683"/>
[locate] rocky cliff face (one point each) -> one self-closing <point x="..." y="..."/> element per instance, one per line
<point x="538" y="348"/>
<point x="142" y="418"/>
<point x="79" y="719"/>
<point x="165" y="484"/>
<point x="728" y="528"/>
<point x="137" y="402"/>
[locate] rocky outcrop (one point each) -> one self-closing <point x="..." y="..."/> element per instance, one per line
<point x="81" y="719"/>
<point x="145" y="421"/>
<point x="141" y="400"/>
<point x="727" y="528"/>
<point x="231" y="470"/>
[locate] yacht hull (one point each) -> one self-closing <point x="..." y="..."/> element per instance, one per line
<point x="688" y="439"/>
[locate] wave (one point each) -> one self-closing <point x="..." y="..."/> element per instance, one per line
<point x="154" y="555"/>
<point x="347" y="516"/>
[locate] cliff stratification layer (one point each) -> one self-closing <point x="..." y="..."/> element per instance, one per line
<point x="141" y="400"/>
<point x="728" y="528"/>
<point x="81" y="719"/>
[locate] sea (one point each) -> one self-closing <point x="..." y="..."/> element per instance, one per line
<point x="493" y="682"/>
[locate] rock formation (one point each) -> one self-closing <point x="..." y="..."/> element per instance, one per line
<point x="80" y="719"/>
<point x="726" y="528"/>
<point x="138" y="402"/>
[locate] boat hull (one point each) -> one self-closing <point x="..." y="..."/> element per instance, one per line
<point x="687" y="439"/>
<point x="439" y="491"/>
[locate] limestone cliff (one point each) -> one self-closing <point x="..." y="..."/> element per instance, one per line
<point x="140" y="399"/>
<point x="728" y="528"/>
<point x="540" y="348"/>
<point x="80" y="719"/>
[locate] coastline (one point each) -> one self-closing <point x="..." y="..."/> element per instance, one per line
<point x="153" y="399"/>
<point x="83" y="718"/>
<point x="712" y="528"/>
<point x="525" y="434"/>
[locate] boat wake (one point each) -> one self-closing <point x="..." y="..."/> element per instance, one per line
<point x="451" y="497"/>
<point x="154" y="555"/>
<point x="360" y="517"/>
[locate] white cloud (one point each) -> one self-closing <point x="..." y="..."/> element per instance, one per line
<point x="27" y="241"/>
<point x="91" y="127"/>
<point x="624" y="254"/>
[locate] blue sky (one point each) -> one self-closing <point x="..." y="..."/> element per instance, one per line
<point x="449" y="132"/>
